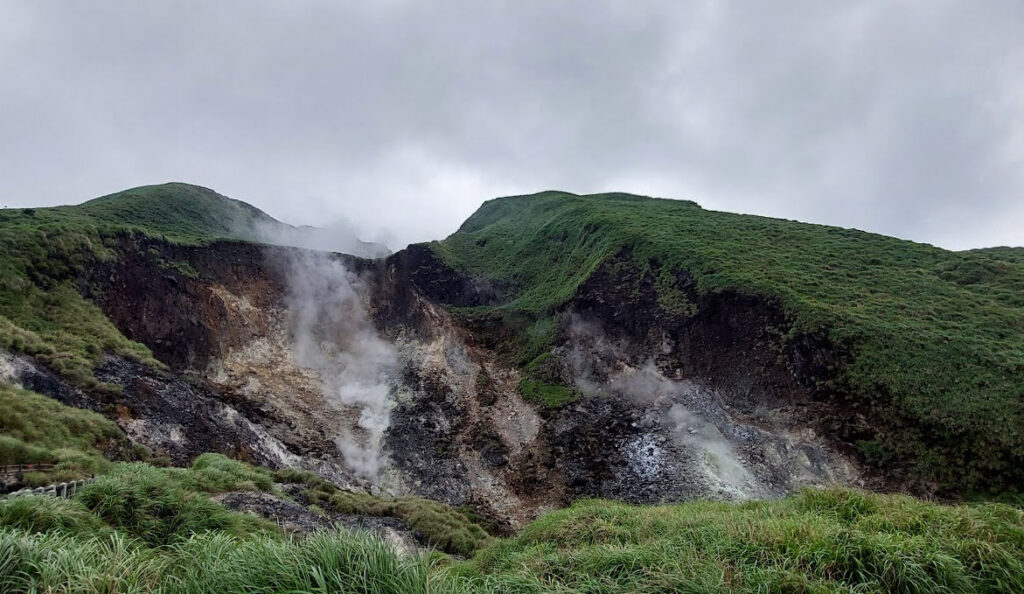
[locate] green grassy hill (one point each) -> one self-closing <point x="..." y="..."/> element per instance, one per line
<point x="49" y="254"/>
<point x="936" y="351"/>
<point x="179" y="211"/>
<point x="936" y="337"/>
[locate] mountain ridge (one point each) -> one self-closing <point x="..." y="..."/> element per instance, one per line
<point x="893" y="313"/>
<point x="904" y="314"/>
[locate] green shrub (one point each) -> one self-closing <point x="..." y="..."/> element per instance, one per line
<point x="297" y="476"/>
<point x="542" y="385"/>
<point x="154" y="505"/>
<point x="30" y="513"/>
<point x="216" y="473"/>
<point x="440" y="525"/>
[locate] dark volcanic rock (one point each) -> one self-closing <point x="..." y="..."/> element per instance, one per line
<point x="420" y="440"/>
<point x="295" y="518"/>
<point x="171" y="416"/>
<point x="609" y="448"/>
<point x="290" y="516"/>
<point x="181" y="420"/>
<point x="744" y="394"/>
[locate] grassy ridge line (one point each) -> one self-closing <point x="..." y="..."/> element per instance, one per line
<point x="937" y="336"/>
<point x="182" y="213"/>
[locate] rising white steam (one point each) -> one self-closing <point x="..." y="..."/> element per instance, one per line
<point x="717" y="458"/>
<point x="600" y="367"/>
<point x="334" y="336"/>
<point x="716" y="455"/>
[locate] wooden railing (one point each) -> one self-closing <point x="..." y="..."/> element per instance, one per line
<point x="20" y="469"/>
<point x="62" y="490"/>
<point x="16" y="472"/>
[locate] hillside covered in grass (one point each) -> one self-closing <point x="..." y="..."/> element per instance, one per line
<point x="931" y="341"/>
<point x="52" y="254"/>
<point x="36" y="429"/>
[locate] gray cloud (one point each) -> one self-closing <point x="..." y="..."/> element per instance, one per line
<point x="905" y="118"/>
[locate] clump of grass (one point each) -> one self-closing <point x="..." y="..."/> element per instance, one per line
<point x="153" y="505"/>
<point x="817" y="541"/>
<point x="216" y="473"/>
<point x="297" y="476"/>
<point x="324" y="562"/>
<point x="210" y="563"/>
<point x="54" y="562"/>
<point x="440" y="525"/>
<point x="542" y="385"/>
<point x="34" y="514"/>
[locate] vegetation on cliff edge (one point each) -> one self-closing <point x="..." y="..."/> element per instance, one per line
<point x="935" y="338"/>
<point x="52" y="254"/>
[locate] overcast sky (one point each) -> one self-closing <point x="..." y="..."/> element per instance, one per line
<point x="899" y="117"/>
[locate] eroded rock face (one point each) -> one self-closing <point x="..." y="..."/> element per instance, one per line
<point x="700" y="401"/>
<point x="669" y="435"/>
<point x="175" y="417"/>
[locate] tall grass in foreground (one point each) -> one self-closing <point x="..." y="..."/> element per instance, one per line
<point x="207" y="563"/>
<point x="817" y="541"/>
<point x="165" y="505"/>
<point x="820" y="541"/>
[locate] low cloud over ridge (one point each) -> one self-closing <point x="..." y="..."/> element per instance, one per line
<point x="901" y="118"/>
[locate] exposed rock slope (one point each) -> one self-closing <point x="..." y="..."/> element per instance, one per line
<point x="418" y="374"/>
